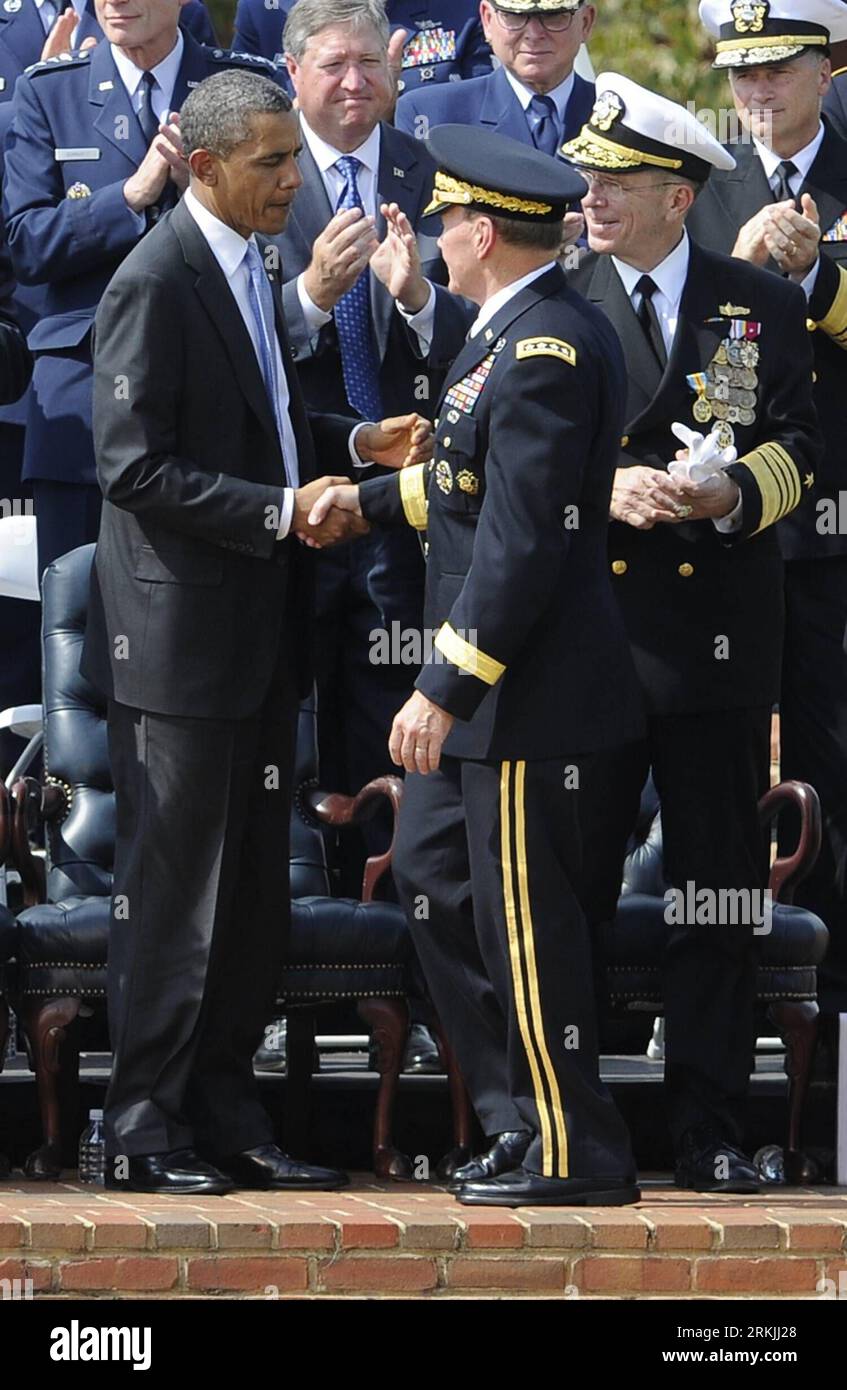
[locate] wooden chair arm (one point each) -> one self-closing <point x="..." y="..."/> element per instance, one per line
<point x="786" y="874"/>
<point x="340" y="811"/>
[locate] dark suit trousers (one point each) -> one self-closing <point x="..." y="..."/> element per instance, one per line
<point x="484" y="862"/>
<point x="813" y="721"/>
<point x="199" y="921"/>
<point x="710" y="770"/>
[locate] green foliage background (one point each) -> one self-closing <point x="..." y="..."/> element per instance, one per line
<point x="659" y="43"/>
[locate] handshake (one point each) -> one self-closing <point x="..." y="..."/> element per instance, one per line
<point x="327" y="510"/>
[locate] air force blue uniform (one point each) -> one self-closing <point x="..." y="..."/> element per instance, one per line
<point x="74" y="141"/>
<point x="444" y="43"/>
<point x="489" y="102"/>
<point x="22" y="35"/>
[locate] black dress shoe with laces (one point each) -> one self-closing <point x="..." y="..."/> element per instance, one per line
<point x="706" y="1163"/>
<point x="266" y="1167"/>
<point x="507" y="1152"/>
<point x="179" y="1173"/>
<point x="524" y="1189"/>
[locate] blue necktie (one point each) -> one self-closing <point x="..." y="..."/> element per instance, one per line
<point x="359" y="361"/>
<point x="147" y="118"/>
<point x="544" y="124"/>
<point x="262" y="306"/>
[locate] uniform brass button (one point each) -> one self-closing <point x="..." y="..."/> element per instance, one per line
<point x="624" y="441"/>
<point x="619" y="567"/>
<point x="686" y="570"/>
<point x="446" y="441"/>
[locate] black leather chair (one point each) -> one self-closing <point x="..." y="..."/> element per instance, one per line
<point x="340" y="949"/>
<point x="633" y="946"/>
<point x="8" y="927"/>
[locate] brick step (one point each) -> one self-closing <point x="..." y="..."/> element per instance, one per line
<point x="415" y="1240"/>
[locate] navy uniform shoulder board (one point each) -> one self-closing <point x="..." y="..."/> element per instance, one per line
<point x="60" y="64"/>
<point x="250" y="60"/>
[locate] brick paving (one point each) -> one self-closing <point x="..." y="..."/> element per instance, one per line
<point x="414" y="1240"/>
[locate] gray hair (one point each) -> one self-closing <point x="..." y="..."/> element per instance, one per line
<point x="216" y="116"/>
<point x="308" y="17"/>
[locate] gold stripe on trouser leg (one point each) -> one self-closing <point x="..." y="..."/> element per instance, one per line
<point x="515" y="953"/>
<point x="532" y="973"/>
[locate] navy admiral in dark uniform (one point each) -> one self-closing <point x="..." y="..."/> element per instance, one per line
<point x="785" y="208"/>
<point x="443" y="39"/>
<point x="529" y="672"/>
<point x="534" y="96"/>
<point x="26" y="24"/>
<point x="722" y="349"/>
<point x="835" y="102"/>
<point x="87" y="175"/>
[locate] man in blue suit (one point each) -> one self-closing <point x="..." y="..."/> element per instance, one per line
<point x="26" y="25"/>
<point x="89" y="169"/>
<point x="443" y="39"/>
<point x="534" y="96"/>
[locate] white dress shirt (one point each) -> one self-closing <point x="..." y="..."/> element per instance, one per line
<point x="498" y="301"/>
<point x="47" y="13"/>
<point x="669" y="277"/>
<point x="229" y="249"/>
<point x="804" y="159"/>
<point x="325" y="156"/>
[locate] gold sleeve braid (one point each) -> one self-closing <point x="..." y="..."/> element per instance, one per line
<point x="413" y="496"/>
<point x="777" y="479"/>
<point x="834" y="323"/>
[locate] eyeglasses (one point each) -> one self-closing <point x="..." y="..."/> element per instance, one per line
<point x="613" y="188"/>
<point x="555" y="23"/>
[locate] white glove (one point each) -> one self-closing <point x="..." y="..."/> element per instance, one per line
<point x="705" y="459"/>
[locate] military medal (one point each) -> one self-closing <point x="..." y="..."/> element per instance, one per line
<point x="747" y="416"/>
<point x="721" y="355"/>
<point x="702" y="410"/>
<point x="724" y="434"/>
<point x="444" y="476"/>
<point x="748" y="354"/>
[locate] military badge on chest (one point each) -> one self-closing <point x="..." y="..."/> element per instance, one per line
<point x="463" y="395"/>
<point x="726" y="392"/>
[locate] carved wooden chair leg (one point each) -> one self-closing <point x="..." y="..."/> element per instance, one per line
<point x="388" y="1020"/>
<point x="797" y="1023"/>
<point x="300" y="1050"/>
<point x="460" y="1105"/>
<point x="54" y="1045"/>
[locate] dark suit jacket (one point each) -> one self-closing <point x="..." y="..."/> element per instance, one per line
<point x="728" y="201"/>
<point x="681" y="587"/>
<point x="406" y="382"/>
<point x="487" y="101"/>
<point x="516" y="507"/>
<point x="188" y="573"/>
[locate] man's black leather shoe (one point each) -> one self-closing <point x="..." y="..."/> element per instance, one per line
<point x="181" y="1172"/>
<point x="267" y="1167"/>
<point x="707" y="1164"/>
<point x="524" y="1189"/>
<point x="506" y="1153"/>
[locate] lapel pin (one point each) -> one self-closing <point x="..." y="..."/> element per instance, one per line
<point x="105" y="86"/>
<point x="398" y="173"/>
<point x="12" y="6"/>
<point x="488" y="335"/>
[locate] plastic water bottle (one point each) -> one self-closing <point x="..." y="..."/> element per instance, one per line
<point x="92" y="1150"/>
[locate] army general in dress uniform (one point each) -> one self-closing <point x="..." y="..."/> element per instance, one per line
<point x="86" y="177"/>
<point x="722" y="349"/>
<point x="529" y="672"/>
